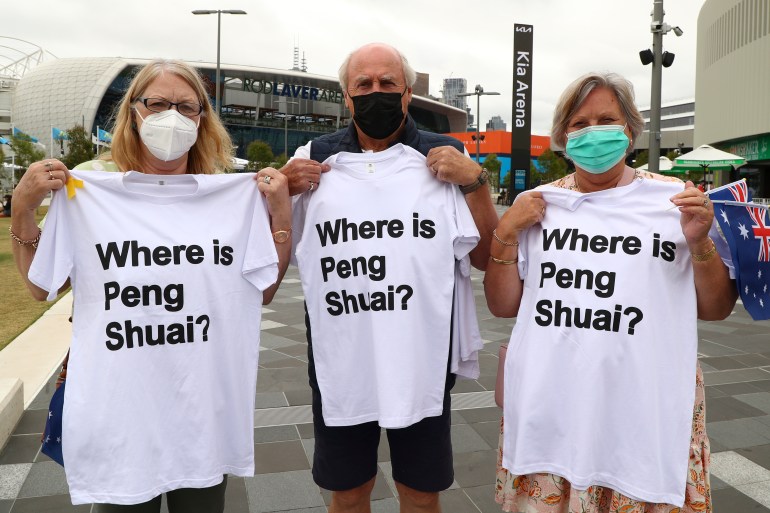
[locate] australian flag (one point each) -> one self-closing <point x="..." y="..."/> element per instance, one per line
<point x="747" y="231"/>
<point x="52" y="434"/>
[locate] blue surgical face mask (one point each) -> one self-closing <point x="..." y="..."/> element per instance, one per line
<point x="596" y="149"/>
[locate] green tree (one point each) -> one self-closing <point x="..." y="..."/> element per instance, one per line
<point x="24" y="150"/>
<point x="535" y="176"/>
<point x="280" y="161"/>
<point x="492" y="164"/>
<point x="554" y="166"/>
<point x="642" y="158"/>
<point x="259" y="155"/>
<point x="79" y="148"/>
<point x="507" y="181"/>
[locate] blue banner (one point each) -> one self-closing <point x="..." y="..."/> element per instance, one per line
<point x="19" y="133"/>
<point x="3" y="140"/>
<point x="59" y="135"/>
<point x="104" y="136"/>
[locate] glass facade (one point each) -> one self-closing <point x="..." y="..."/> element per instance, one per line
<point x="252" y="110"/>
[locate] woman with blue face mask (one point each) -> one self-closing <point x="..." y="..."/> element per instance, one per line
<point x="607" y="271"/>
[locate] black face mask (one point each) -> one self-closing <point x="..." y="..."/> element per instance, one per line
<point x="378" y="115"/>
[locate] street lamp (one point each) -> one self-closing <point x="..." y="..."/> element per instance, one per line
<point x="219" y="13"/>
<point x="285" y="125"/>
<point x="478" y="92"/>
<point x="659" y="60"/>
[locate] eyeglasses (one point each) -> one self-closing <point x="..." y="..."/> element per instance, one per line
<point x="188" y="109"/>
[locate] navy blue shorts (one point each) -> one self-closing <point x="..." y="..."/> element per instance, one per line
<point x="421" y="454"/>
<point x="345" y="457"/>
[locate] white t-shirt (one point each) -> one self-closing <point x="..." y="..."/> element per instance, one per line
<point x="377" y="244"/>
<point x="601" y="363"/>
<point x="168" y="274"/>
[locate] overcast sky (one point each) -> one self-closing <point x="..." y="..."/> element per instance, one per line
<point x="450" y="38"/>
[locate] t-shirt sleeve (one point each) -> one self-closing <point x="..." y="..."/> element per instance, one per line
<point x="298" y="214"/>
<point x="302" y="152"/>
<point x="260" y="263"/>
<point x="54" y="258"/>
<point x="467" y="235"/>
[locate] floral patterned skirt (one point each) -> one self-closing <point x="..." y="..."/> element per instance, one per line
<point x="548" y="493"/>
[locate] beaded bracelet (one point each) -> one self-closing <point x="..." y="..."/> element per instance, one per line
<point x="707" y="255"/>
<point x="21" y="242"/>
<point x="501" y="241"/>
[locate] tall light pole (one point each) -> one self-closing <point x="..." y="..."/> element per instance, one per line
<point x="659" y="60"/>
<point x="285" y="125"/>
<point x="478" y="92"/>
<point x="219" y="13"/>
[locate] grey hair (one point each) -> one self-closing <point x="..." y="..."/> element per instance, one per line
<point x="409" y="73"/>
<point x="576" y="93"/>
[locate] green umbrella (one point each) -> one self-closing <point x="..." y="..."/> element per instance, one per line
<point x="665" y="166"/>
<point x="707" y="159"/>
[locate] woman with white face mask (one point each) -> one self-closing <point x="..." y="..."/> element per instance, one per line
<point x="165" y="125"/>
<point x="607" y="271"/>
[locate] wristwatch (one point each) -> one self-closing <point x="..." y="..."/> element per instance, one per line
<point x="481" y="180"/>
<point x="281" y="236"/>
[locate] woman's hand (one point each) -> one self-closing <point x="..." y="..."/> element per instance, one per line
<point x="502" y="284"/>
<point x="40" y="179"/>
<point x="696" y="218"/>
<point x="275" y="187"/>
<point x="526" y="211"/>
<point x="715" y="291"/>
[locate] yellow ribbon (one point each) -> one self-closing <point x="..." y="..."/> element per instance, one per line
<point x="72" y="184"/>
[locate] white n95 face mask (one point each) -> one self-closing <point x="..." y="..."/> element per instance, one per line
<point x="168" y="134"/>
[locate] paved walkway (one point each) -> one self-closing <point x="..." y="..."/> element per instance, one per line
<point x="734" y="354"/>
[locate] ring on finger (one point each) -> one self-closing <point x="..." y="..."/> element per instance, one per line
<point x="50" y="174"/>
<point x="705" y="202"/>
<point x="312" y="186"/>
<point x="48" y="166"/>
<point x="267" y="179"/>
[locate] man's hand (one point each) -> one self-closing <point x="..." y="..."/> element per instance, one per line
<point x="449" y="165"/>
<point x="303" y="174"/>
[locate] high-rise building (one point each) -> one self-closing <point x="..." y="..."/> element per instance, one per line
<point x="449" y="95"/>
<point x="496" y="123"/>
<point x="452" y="88"/>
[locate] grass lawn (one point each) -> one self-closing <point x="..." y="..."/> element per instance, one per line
<point x="17" y="309"/>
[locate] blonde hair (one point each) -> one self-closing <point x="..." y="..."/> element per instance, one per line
<point x="212" y="151"/>
<point x="576" y="93"/>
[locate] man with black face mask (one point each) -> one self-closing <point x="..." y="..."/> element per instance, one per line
<point x="377" y="81"/>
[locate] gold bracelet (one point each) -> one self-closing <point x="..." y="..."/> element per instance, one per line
<point x="501" y="241"/>
<point x="708" y="255"/>
<point x="503" y="262"/>
<point x="21" y="242"/>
